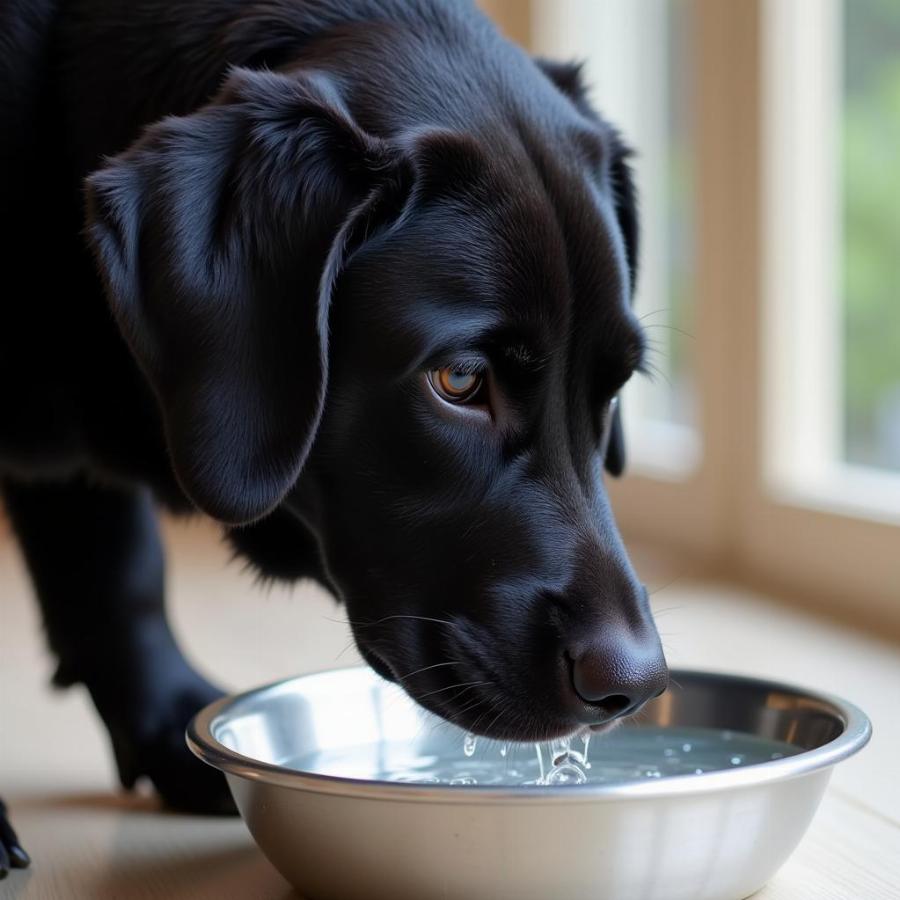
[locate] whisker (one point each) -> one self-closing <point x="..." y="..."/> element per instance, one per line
<point x="654" y="312"/>
<point x="478" y="721"/>
<point x="450" y="687"/>
<point x="360" y="624"/>
<point x="654" y="371"/>
<point x="418" y="618"/>
<point x="443" y="723"/>
<point x="472" y="704"/>
<point x="666" y="585"/>
<point x="494" y="720"/>
<point x="349" y="644"/>
<point x="667" y="609"/>
<point x="427" y="668"/>
<point x="671" y="328"/>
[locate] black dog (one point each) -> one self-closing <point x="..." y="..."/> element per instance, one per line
<point x="352" y="278"/>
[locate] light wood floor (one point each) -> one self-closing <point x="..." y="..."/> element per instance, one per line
<point x="88" y="841"/>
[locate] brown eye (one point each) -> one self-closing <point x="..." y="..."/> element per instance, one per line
<point x="454" y="385"/>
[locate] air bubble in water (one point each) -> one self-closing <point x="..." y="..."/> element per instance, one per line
<point x="686" y="748"/>
<point x="469" y="744"/>
<point x="560" y="748"/>
<point x="737" y="760"/>
<point x="585" y="739"/>
<point x="668" y="752"/>
<point x="698" y="771"/>
<point x="504" y="749"/>
<point x="565" y="774"/>
<point x="777" y="756"/>
<point x="464" y="779"/>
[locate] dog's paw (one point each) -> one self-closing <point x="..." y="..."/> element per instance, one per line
<point x="12" y="855"/>
<point x="151" y="744"/>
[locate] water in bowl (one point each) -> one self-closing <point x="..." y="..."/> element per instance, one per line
<point x="625" y="755"/>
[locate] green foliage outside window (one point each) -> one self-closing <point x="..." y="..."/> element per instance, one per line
<point x="871" y="223"/>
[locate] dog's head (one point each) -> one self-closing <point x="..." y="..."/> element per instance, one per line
<point x="414" y="346"/>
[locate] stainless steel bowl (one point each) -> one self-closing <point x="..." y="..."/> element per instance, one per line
<point x="714" y="836"/>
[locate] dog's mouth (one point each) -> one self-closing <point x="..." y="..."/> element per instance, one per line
<point x="476" y="702"/>
<point x="485" y="685"/>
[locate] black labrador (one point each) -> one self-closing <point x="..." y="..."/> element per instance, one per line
<point x="353" y="279"/>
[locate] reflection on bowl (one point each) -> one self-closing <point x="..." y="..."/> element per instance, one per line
<point x="718" y="835"/>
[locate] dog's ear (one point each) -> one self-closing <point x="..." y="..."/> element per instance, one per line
<point x="627" y="216"/>
<point x="567" y="76"/>
<point x="625" y="198"/>
<point x="219" y="236"/>
<point x="614" y="460"/>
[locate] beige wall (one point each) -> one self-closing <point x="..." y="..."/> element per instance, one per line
<point x="513" y="18"/>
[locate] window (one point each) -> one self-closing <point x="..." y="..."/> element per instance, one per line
<point x="870" y="149"/>
<point x="832" y="348"/>
<point x="767" y="134"/>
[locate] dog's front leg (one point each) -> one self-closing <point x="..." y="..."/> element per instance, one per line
<point x="97" y="564"/>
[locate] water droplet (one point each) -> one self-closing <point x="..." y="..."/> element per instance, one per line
<point x="698" y="771"/>
<point x="737" y="760"/>
<point x="566" y="774"/>
<point x="686" y="748"/>
<point x="469" y="744"/>
<point x="540" y="760"/>
<point x="504" y="749"/>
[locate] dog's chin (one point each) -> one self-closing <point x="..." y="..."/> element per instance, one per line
<point x="506" y="726"/>
<point x="605" y="728"/>
<point x="377" y="664"/>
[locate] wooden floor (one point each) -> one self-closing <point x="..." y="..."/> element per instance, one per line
<point x="88" y="841"/>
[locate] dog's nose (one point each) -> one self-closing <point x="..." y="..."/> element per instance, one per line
<point x="619" y="680"/>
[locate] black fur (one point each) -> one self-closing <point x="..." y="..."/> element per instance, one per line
<point x="241" y="234"/>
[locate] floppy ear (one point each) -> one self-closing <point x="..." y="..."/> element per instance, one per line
<point x="218" y="236"/>
<point x="614" y="461"/>
<point x="569" y="80"/>
<point x="567" y="76"/>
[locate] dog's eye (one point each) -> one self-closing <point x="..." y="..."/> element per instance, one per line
<point x="455" y="385"/>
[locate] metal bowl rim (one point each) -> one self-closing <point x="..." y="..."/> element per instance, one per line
<point x="855" y="735"/>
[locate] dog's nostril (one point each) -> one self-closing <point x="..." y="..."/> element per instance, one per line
<point x="593" y="681"/>
<point x="612" y="705"/>
<point x="615" y="681"/>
